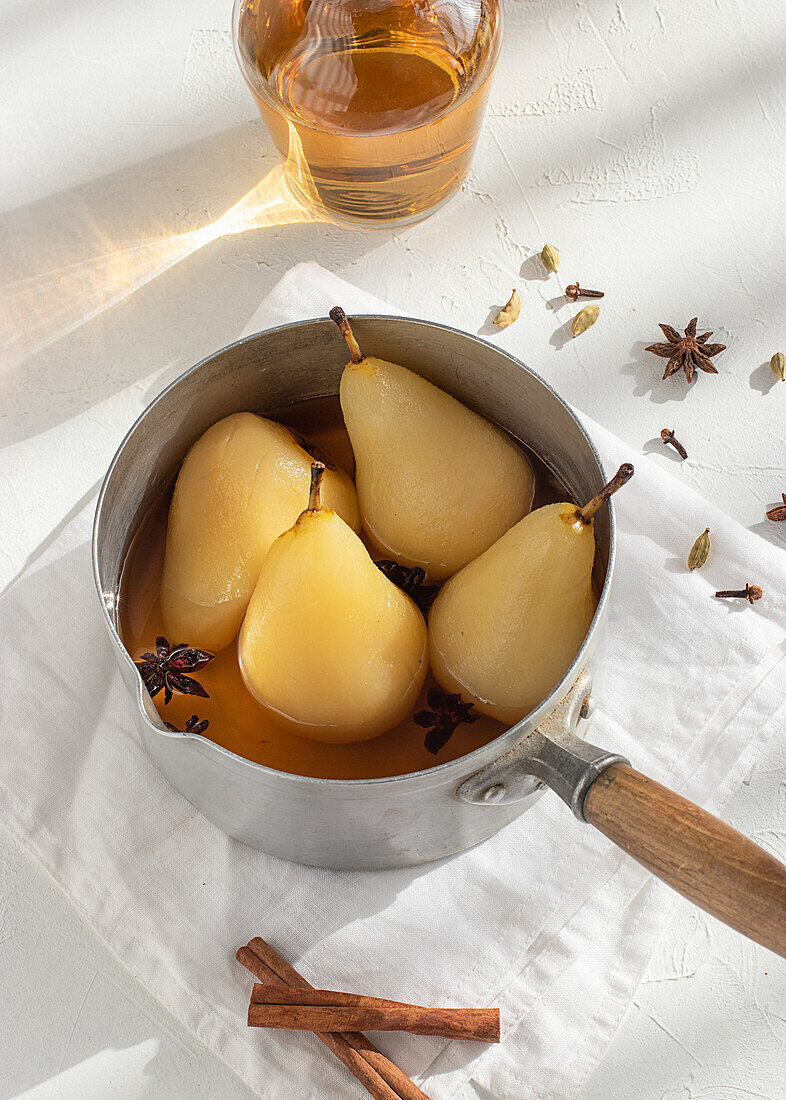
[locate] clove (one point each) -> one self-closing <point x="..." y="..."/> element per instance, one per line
<point x="575" y="291"/>
<point x="750" y="592"/>
<point x="670" y="439"/>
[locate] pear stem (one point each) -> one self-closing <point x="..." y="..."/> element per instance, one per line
<point x="339" y="317"/>
<point x="625" y="473"/>
<point x="315" y="491"/>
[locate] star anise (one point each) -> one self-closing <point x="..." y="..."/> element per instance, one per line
<point x="779" y="511"/>
<point x="166" y="667"/>
<point x="688" y="351"/>
<point x="447" y="712"/>
<point x="193" y="725"/>
<point x="411" y="582"/>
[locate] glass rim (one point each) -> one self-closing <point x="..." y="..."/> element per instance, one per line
<point x="260" y="87"/>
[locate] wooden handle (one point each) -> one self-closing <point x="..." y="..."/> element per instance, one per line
<point x="701" y="857"/>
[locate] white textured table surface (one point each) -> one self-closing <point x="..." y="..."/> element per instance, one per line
<point x="645" y="140"/>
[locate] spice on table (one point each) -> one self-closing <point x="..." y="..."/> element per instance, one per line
<point x="778" y="365"/>
<point x="193" y="725"/>
<point x="584" y="319"/>
<point x="509" y="312"/>
<point x="379" y="1076"/>
<point x="699" y="550"/>
<point x="448" y="711"/>
<point x="575" y="291"/>
<point x="670" y="439"/>
<point x="688" y="351"/>
<point x="550" y="257"/>
<point x="328" y="1010"/>
<point x="779" y="511"/>
<point x="166" y="669"/>
<point x="750" y="592"/>
<point x="411" y="582"/>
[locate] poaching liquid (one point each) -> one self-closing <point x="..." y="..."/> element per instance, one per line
<point x="236" y="720"/>
<point x="386" y="98"/>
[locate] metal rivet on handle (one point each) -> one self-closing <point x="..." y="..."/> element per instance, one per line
<point x="494" y="793"/>
<point x="587" y="708"/>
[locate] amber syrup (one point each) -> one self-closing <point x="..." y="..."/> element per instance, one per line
<point x="236" y="721"/>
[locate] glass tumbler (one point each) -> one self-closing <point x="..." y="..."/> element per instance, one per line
<point x="380" y="101"/>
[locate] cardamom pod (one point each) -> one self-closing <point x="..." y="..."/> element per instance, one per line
<point x="584" y="319"/>
<point x="778" y="365"/>
<point x="550" y="257"/>
<point x="699" y="551"/>
<point x="509" y="312"/>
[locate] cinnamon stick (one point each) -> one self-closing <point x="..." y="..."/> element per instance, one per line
<point x="379" y="1076"/>
<point x="328" y="1010"/>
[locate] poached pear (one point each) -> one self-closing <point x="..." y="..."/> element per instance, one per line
<point x="240" y="486"/>
<point x="504" y="630"/>
<point x="437" y="483"/>
<point x="329" y="646"/>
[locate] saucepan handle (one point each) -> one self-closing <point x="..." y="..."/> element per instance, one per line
<point x="702" y="858"/>
<point x="699" y="856"/>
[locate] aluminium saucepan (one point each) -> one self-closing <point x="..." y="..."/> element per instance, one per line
<point x="422" y="816"/>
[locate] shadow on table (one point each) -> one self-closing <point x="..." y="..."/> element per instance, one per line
<point x="774" y="532"/>
<point x="656" y="446"/>
<point x="647" y="370"/>
<point x="60" y="252"/>
<point x="763" y="379"/>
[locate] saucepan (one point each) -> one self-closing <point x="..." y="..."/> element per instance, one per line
<point x="426" y="815"/>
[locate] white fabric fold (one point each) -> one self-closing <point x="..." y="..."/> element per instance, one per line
<point x="547" y="919"/>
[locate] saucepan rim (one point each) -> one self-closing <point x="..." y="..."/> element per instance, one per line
<point x="108" y="601"/>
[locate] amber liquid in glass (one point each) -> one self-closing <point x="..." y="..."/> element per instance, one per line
<point x="236" y="720"/>
<point x="386" y="99"/>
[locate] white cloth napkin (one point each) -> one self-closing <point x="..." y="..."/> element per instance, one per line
<point x="547" y="919"/>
